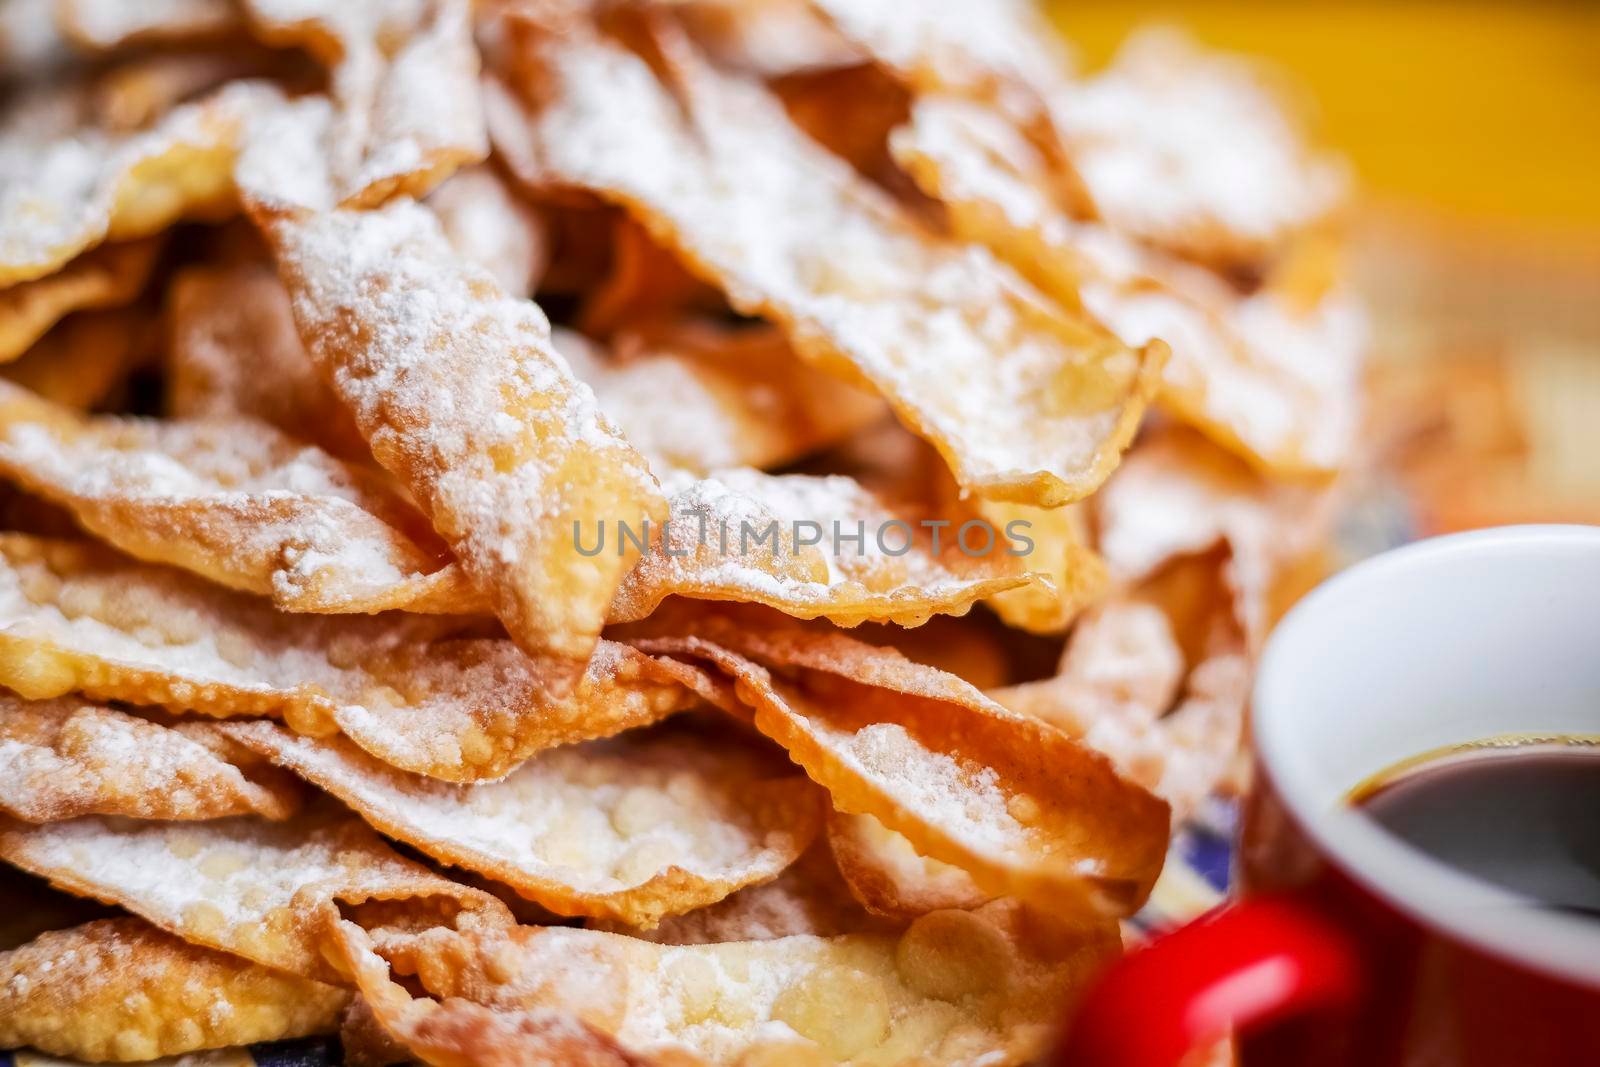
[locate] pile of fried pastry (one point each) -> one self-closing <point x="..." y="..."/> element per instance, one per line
<point x="391" y="390"/>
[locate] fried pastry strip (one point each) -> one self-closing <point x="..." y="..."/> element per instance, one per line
<point x="1018" y="805"/>
<point x="233" y="350"/>
<point x="889" y="570"/>
<point x="461" y="396"/>
<point x="235" y="501"/>
<point x="105" y="25"/>
<point x="1174" y="146"/>
<point x="404" y="80"/>
<point x="632" y="828"/>
<point x="64" y="192"/>
<point x="809" y="897"/>
<point x="104" y="277"/>
<point x="1274" y="382"/>
<point x="422" y="693"/>
<point x="1180" y="496"/>
<point x="242" y="885"/>
<point x="1195" y="152"/>
<point x="118" y="990"/>
<point x="60" y="759"/>
<point x="1004" y="50"/>
<point x="1025" y="400"/>
<point x="84" y="360"/>
<point x="1118" y="691"/>
<point x="889" y="877"/>
<point x="955" y="987"/>
<point x="698" y="398"/>
<point x="485" y="221"/>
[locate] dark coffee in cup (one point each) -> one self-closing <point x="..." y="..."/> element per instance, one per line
<point x="1521" y="814"/>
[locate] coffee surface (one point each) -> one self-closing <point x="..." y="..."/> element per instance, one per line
<point x="1524" y="817"/>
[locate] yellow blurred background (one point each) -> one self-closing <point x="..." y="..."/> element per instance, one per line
<point x="1474" y="129"/>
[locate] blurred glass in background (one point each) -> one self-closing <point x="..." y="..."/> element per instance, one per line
<point x="1474" y="130"/>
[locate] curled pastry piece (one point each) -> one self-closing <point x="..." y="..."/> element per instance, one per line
<point x="1002" y="50"/>
<point x="643" y="286"/>
<point x="767" y="38"/>
<point x="1054" y="545"/>
<point x="1144" y="137"/>
<point x="109" y="276"/>
<point x="233" y="350"/>
<point x="62" y="192"/>
<point x="119" y="990"/>
<point x="1126" y="687"/>
<point x="243" y="885"/>
<point x="60" y="759"/>
<point x="632" y="829"/>
<point x="1271" y="380"/>
<point x="235" y="501"/>
<point x="1179" y="496"/>
<point x="1018" y="805"/>
<point x="815" y="547"/>
<point x="404" y="86"/>
<point x="1026" y="400"/>
<point x="809" y="897"/>
<point x="86" y="360"/>
<point x="104" y="25"/>
<point x="1185" y="150"/>
<point x="889" y="877"/>
<point x="955" y="987"/>
<point x="462" y="397"/>
<point x="425" y="694"/>
<point x="697" y="397"/>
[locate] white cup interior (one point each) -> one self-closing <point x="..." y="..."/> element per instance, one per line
<point x="1440" y="643"/>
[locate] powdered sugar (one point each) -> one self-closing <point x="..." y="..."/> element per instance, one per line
<point x="809" y="546"/>
<point x="1192" y="152"/>
<point x="963" y="349"/>
<point x="61" y="759"/>
<point x="231" y="499"/>
<point x="106" y="24"/>
<point x="1275" y="383"/>
<point x="60" y="194"/>
<point x="406" y="107"/>
<point x="243" y="885"/>
<point x="957" y="798"/>
<point x="458" y="392"/>
<point x="404" y="687"/>
<point x="633" y="827"/>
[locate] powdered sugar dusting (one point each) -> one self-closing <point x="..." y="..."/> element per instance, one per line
<point x="121" y="989"/>
<point x="1278" y="384"/>
<point x="961" y="799"/>
<point x="58" y="194"/>
<point x="61" y="759"/>
<point x="243" y="885"/>
<point x="962" y="348"/>
<point x="864" y="560"/>
<point x="404" y="687"/>
<point x="404" y="88"/>
<point x="231" y="499"/>
<point x="1191" y="151"/>
<point x="458" y="392"/>
<point x="629" y="827"/>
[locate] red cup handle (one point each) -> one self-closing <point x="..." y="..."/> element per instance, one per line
<point x="1238" y="967"/>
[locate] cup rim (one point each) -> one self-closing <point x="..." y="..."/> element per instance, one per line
<point x="1430" y="893"/>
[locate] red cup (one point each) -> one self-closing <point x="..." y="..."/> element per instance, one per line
<point x="1347" y="947"/>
